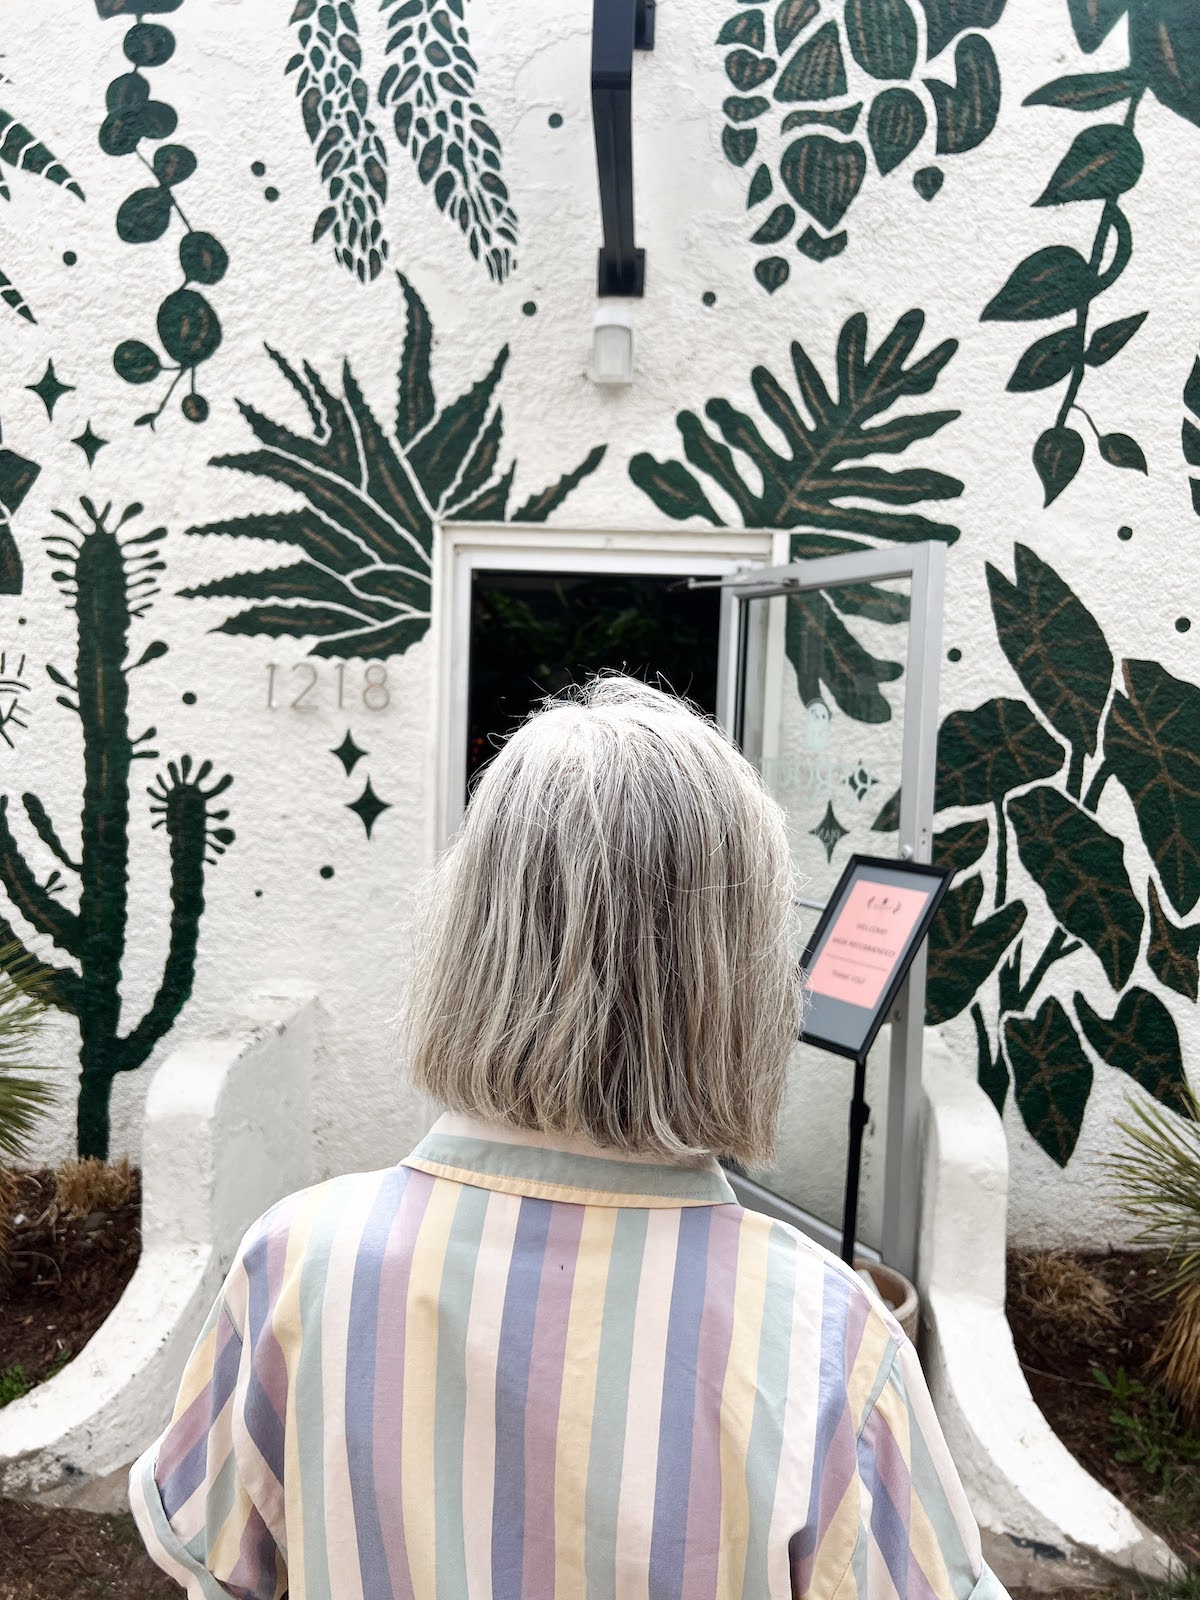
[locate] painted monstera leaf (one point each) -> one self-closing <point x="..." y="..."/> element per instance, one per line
<point x="365" y="506"/>
<point x="819" y="482"/>
<point x="1052" y="1075"/>
<point x="801" y="80"/>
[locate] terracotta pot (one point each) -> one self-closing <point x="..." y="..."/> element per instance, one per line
<point x="897" y="1294"/>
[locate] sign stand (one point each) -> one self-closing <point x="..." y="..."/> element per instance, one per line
<point x="856" y="962"/>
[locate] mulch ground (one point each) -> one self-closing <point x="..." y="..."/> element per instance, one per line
<point x="73" y="1555"/>
<point x="62" y="1276"/>
<point x="1058" y="1351"/>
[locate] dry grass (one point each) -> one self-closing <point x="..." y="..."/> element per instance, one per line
<point x="1178" y="1353"/>
<point x="84" y="1187"/>
<point x="1060" y="1293"/>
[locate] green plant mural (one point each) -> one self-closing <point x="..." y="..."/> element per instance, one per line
<point x="17" y="477"/>
<point x="365" y="529"/>
<point x="189" y="330"/>
<point x="21" y="151"/>
<point x="109" y="582"/>
<point x="826" y="64"/>
<point x="1191" y="429"/>
<point x="817" y="484"/>
<point x="1102" y="165"/>
<point x="428" y="89"/>
<point x="1032" y="773"/>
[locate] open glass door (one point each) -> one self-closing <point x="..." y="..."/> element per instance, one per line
<point x="829" y="684"/>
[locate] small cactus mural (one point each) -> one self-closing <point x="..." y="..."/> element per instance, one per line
<point x="110" y="581"/>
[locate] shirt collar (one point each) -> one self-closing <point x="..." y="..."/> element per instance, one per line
<point x="552" y="1167"/>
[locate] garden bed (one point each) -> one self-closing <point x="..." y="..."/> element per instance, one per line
<point x="73" y="1247"/>
<point x="1085" y="1328"/>
<point x="73" y="1555"/>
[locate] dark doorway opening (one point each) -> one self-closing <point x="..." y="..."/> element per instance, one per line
<point x="535" y="633"/>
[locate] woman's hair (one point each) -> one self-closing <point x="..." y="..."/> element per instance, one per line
<point x="607" y="948"/>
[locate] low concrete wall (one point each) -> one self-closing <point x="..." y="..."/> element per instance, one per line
<point x="1047" y="1523"/>
<point x="228" y="1132"/>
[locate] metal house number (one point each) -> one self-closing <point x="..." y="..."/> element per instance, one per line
<point x="305" y="687"/>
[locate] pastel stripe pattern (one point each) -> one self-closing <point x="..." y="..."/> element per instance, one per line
<point x="513" y="1367"/>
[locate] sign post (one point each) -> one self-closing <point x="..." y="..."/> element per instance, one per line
<point x="855" y="965"/>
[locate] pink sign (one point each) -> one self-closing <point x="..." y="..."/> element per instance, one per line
<point x="863" y="946"/>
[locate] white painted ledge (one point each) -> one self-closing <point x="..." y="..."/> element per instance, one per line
<point x="1047" y="1523"/>
<point x="228" y="1132"/>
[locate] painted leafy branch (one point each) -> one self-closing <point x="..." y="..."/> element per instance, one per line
<point x="1104" y="163"/>
<point x="366" y="503"/>
<point x="1191" y="429"/>
<point x="1033" y="773"/>
<point x="349" y="153"/>
<point x="109" y="582"/>
<point x="804" y="62"/>
<point x="188" y="328"/>
<point x="21" y="151"/>
<point x="819" y="482"/>
<point x="428" y="90"/>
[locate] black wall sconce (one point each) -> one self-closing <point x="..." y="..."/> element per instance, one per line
<point x="619" y="27"/>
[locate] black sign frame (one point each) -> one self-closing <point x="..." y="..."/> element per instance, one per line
<point x="924" y="874"/>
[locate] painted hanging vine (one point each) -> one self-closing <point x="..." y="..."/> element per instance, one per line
<point x="1103" y="164"/>
<point x="81" y="906"/>
<point x="188" y="328"/>
<point x="818" y="482"/>
<point x="826" y="63"/>
<point x="428" y="92"/>
<point x="364" y="532"/>
<point x="21" y="151"/>
<point x="1029" y="776"/>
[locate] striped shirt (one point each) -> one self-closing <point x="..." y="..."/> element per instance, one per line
<point x="519" y="1367"/>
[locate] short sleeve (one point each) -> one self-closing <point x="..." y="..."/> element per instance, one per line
<point x="918" y="1539"/>
<point x="202" y="1496"/>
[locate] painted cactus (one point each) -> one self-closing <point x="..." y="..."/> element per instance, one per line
<point x="110" y="582"/>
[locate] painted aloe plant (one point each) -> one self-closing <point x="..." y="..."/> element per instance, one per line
<point x="364" y="529"/>
<point x="109" y="581"/>
<point x="1029" y="775"/>
<point x="819" y="485"/>
<point x="21" y="151"/>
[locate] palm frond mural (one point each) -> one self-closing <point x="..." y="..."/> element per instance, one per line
<point x="818" y="482"/>
<point x="368" y="502"/>
<point x="23" y="152"/>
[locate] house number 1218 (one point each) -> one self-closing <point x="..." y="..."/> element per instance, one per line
<point x="301" y="687"/>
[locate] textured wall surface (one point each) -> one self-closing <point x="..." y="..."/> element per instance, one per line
<point x="916" y="269"/>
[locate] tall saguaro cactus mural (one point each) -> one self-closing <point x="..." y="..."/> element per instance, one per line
<point x="109" y="582"/>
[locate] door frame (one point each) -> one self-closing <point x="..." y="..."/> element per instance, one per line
<point x="461" y="547"/>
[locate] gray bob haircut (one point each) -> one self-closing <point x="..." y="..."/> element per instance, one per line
<point x="607" y="950"/>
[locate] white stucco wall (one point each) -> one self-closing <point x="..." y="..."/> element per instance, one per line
<point x="268" y="911"/>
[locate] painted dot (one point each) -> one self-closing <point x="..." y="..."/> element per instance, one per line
<point x="1182" y="624"/>
<point x="258" y="894"/>
<point x="70" y="257"/>
<point x="530" y="308"/>
<point x="188" y="698"/>
<point x="270" y="193"/>
<point x="258" y="168"/>
<point x="20" y="622"/>
<point x="1124" y="533"/>
<point x="709" y="298"/>
<point x="555" y="119"/>
<point x="954" y="653"/>
<point x="327" y="872"/>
